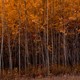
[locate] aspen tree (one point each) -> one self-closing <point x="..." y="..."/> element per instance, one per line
<point x="19" y="41"/>
<point x="47" y="40"/>
<point x="19" y="32"/>
<point x="9" y="45"/>
<point x="2" y="39"/>
<point x="52" y="35"/>
<point x="26" y="38"/>
<point x="64" y="36"/>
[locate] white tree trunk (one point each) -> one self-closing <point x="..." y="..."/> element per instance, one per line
<point x="65" y="55"/>
<point x="47" y="52"/>
<point x="10" y="53"/>
<point x="26" y="40"/>
<point x="19" y="36"/>
<point x="2" y="38"/>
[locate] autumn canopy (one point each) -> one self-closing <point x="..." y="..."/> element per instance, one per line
<point x="39" y="35"/>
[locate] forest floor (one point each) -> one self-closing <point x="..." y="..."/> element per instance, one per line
<point x="73" y="76"/>
<point x="64" y="77"/>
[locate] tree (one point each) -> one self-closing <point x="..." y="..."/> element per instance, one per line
<point x="26" y="38"/>
<point x="2" y="38"/>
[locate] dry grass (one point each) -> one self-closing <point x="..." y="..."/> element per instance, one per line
<point x="64" y="77"/>
<point x="33" y="73"/>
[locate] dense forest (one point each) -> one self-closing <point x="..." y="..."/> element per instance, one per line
<point x="39" y="37"/>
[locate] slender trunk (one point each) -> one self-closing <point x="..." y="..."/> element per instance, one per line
<point x="64" y="41"/>
<point x="59" y="49"/>
<point x="9" y="47"/>
<point x="52" y="35"/>
<point x="19" y="48"/>
<point x="77" y="42"/>
<point x="19" y="51"/>
<point x="52" y="45"/>
<point x="19" y="37"/>
<point x="55" y="47"/>
<point x="36" y="54"/>
<point x="77" y="50"/>
<point x="10" y="53"/>
<point x="47" y="52"/>
<point x="45" y="34"/>
<point x="26" y="40"/>
<point x="2" y="39"/>
<point x="64" y="35"/>
<point x="43" y="60"/>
